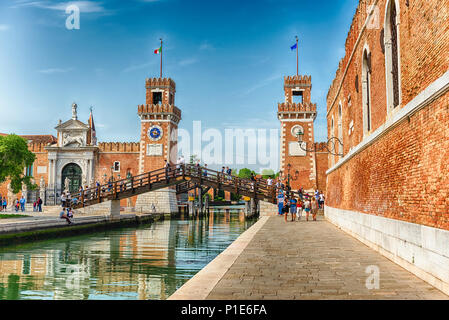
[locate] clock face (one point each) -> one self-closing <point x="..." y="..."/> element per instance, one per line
<point x="297" y="129"/>
<point x="155" y="133"/>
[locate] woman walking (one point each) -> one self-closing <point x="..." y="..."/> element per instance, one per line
<point x="307" y="208"/>
<point x="314" y="208"/>
<point x="299" y="207"/>
<point x="286" y="208"/>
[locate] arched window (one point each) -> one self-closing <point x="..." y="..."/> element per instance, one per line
<point x="340" y="128"/>
<point x="332" y="135"/>
<point x="366" y="90"/>
<point x="392" y="66"/>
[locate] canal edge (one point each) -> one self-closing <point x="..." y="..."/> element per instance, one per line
<point x="202" y="283"/>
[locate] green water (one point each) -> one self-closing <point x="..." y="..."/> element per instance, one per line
<point x="148" y="262"/>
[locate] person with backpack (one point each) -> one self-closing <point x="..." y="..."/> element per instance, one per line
<point x="39" y="204"/>
<point x="22" y="204"/>
<point x="293" y="204"/>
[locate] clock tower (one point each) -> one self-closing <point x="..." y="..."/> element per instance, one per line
<point x="159" y="120"/>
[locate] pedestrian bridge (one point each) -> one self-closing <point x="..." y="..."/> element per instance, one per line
<point x="185" y="177"/>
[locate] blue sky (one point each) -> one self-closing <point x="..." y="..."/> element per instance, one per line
<point x="228" y="59"/>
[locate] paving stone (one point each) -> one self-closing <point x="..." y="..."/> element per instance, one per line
<point x="314" y="261"/>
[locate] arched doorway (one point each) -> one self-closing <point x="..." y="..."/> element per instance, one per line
<point x="74" y="173"/>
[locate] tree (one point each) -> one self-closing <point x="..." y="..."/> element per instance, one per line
<point x="267" y="173"/>
<point x="245" y="173"/>
<point x="14" y="158"/>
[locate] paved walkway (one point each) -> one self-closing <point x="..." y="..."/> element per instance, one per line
<point x="309" y="260"/>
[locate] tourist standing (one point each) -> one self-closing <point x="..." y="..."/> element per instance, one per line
<point x="205" y="170"/>
<point x="307" y="207"/>
<point x="4" y="204"/>
<point x="22" y="204"/>
<point x="34" y="205"/>
<point x="299" y="207"/>
<point x="321" y="203"/>
<point x="286" y="208"/>
<point x="39" y="204"/>
<point x="63" y="199"/>
<point x="314" y="208"/>
<point x="280" y="203"/>
<point x="293" y="204"/>
<point x="17" y="205"/>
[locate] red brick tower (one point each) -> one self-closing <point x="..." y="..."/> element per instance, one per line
<point x="159" y="120"/>
<point x="297" y="113"/>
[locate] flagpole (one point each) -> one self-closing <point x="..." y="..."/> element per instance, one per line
<point x="161" y="56"/>
<point x="296" y="55"/>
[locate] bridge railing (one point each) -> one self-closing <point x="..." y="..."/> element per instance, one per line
<point x="203" y="175"/>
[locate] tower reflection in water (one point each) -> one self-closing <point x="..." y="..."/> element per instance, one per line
<point x="149" y="262"/>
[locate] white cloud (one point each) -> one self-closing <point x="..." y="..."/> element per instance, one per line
<point x="188" y="61"/>
<point x="55" y="70"/>
<point x="4" y="27"/>
<point x="84" y="6"/>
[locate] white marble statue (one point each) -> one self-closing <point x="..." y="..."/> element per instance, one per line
<point x="74" y="113"/>
<point x="66" y="184"/>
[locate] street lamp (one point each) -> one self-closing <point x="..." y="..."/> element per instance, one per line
<point x="330" y="146"/>
<point x="112" y="173"/>
<point x="290" y="177"/>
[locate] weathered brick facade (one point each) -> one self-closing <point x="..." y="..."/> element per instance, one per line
<point x="127" y="158"/>
<point x="389" y="104"/>
<point x="403" y="174"/>
<point x="307" y="168"/>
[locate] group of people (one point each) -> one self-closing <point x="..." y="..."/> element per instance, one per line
<point x="296" y="205"/>
<point x="3" y="203"/>
<point x="19" y="204"/>
<point x="67" y="211"/>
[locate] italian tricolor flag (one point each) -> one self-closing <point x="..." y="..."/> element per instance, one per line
<point x="159" y="50"/>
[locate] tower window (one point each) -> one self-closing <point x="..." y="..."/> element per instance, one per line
<point x="157" y="97"/>
<point x="116" y="166"/>
<point x="298" y="96"/>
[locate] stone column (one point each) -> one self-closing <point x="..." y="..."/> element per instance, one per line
<point x="115" y="209"/>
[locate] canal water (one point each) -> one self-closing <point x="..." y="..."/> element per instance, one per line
<point x="147" y="262"/>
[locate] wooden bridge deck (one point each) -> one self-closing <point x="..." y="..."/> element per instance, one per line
<point x="186" y="177"/>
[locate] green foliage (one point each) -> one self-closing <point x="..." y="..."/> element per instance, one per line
<point x="245" y="173"/>
<point x="14" y="158"/>
<point x="235" y="197"/>
<point x="267" y="173"/>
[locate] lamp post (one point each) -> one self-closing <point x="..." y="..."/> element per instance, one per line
<point x="112" y="174"/>
<point x="330" y="146"/>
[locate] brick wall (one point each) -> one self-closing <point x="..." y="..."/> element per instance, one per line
<point x="404" y="173"/>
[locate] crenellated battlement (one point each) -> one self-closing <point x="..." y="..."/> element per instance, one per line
<point x="357" y="24"/>
<point x="296" y="107"/>
<point x="297" y="80"/>
<point x="119" y="146"/>
<point x="160" y="82"/>
<point x="159" y="109"/>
